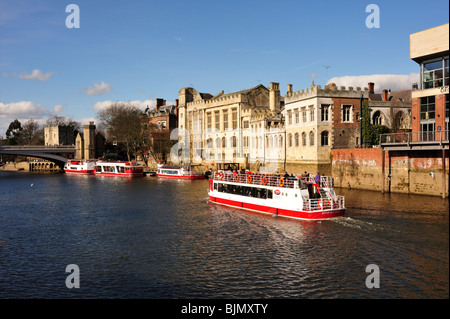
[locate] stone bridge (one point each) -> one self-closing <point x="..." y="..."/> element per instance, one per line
<point x="56" y="153"/>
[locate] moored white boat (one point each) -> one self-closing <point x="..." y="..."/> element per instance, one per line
<point x="128" y="169"/>
<point x="292" y="197"/>
<point x="180" y="172"/>
<point x="77" y="166"/>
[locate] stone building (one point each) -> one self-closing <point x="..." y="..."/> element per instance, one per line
<point x="59" y="135"/>
<point x="390" y="108"/>
<point x="158" y="123"/>
<point x="318" y="120"/>
<point x="227" y="127"/>
<point x="89" y="144"/>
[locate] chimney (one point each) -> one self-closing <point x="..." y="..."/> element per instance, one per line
<point x="385" y="95"/>
<point x="274" y="96"/>
<point x="159" y="103"/>
<point x="332" y="86"/>
<point x="289" y="88"/>
<point x="415" y="86"/>
<point x="371" y="88"/>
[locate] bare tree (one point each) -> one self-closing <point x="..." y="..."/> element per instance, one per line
<point x="122" y="124"/>
<point x="32" y="133"/>
<point x="63" y="121"/>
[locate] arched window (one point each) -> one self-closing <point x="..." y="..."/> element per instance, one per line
<point x="297" y="137"/>
<point x="311" y="138"/>
<point x="290" y="139"/>
<point x="376" y="118"/>
<point x="324" y="138"/>
<point x="304" y="139"/>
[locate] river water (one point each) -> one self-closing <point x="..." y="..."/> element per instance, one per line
<point x="153" y="238"/>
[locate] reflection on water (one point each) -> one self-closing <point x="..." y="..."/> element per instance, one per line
<point x="152" y="238"/>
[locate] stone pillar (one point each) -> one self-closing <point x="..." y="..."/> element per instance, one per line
<point x="89" y="140"/>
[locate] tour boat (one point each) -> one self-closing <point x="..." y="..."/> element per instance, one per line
<point x="128" y="169"/>
<point x="79" y="166"/>
<point x="292" y="197"/>
<point x="180" y="172"/>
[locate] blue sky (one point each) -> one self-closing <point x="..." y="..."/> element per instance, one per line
<point x="140" y="50"/>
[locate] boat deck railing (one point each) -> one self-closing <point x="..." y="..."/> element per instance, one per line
<point x="274" y="180"/>
<point x="314" y="204"/>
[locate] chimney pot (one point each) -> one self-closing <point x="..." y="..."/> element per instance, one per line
<point x="371" y="88"/>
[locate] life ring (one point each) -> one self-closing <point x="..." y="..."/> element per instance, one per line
<point x="249" y="179"/>
<point x="281" y="182"/>
<point x="236" y="178"/>
<point x="264" y="180"/>
<point x="220" y="176"/>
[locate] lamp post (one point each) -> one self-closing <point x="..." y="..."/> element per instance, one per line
<point x="360" y="119"/>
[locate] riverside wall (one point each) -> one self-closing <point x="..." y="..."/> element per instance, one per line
<point x="411" y="172"/>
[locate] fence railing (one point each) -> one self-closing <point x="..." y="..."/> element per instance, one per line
<point x="270" y="179"/>
<point x="415" y="137"/>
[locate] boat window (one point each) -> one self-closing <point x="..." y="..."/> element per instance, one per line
<point x="215" y="186"/>
<point x="269" y="193"/>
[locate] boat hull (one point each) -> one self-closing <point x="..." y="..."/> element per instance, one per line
<point x="85" y="172"/>
<point x="187" y="177"/>
<point x="294" y="214"/>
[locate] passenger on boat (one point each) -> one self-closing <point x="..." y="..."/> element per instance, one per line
<point x="317" y="178"/>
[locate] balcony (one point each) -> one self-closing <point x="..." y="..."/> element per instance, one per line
<point x="431" y="140"/>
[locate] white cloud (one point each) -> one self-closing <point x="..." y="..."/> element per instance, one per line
<point x="36" y="75"/>
<point x="102" y="105"/>
<point x="99" y="89"/>
<point x="58" y="108"/>
<point x="23" y="111"/>
<point x="393" y="82"/>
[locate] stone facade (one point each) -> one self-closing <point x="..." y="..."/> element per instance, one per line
<point x="89" y="144"/>
<point x="318" y="120"/>
<point x="227" y="127"/>
<point x="59" y="135"/>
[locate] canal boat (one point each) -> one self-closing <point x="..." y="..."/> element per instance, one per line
<point x="126" y="169"/>
<point x="77" y="166"/>
<point x="278" y="195"/>
<point x="188" y="172"/>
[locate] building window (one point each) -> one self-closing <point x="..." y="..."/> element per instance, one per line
<point x="311" y="138"/>
<point x="304" y="139"/>
<point x="324" y="138"/>
<point x="324" y="111"/>
<point x="435" y="73"/>
<point x="297" y="139"/>
<point x="234" y="118"/>
<point x="376" y="119"/>
<point x="290" y="140"/>
<point x="209" y="121"/>
<point x="346" y="113"/>
<point x="289" y="116"/>
<point x="446" y="106"/>
<point x="304" y="117"/>
<point x="217" y="120"/>
<point x="311" y="113"/>
<point x="297" y="116"/>
<point x="427" y="108"/>
<point x="225" y="120"/>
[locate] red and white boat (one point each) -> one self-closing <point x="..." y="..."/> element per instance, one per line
<point x="79" y="166"/>
<point x="128" y="169"/>
<point x="292" y="197"/>
<point x="180" y="172"/>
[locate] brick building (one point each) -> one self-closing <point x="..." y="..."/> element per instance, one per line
<point x="158" y="123"/>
